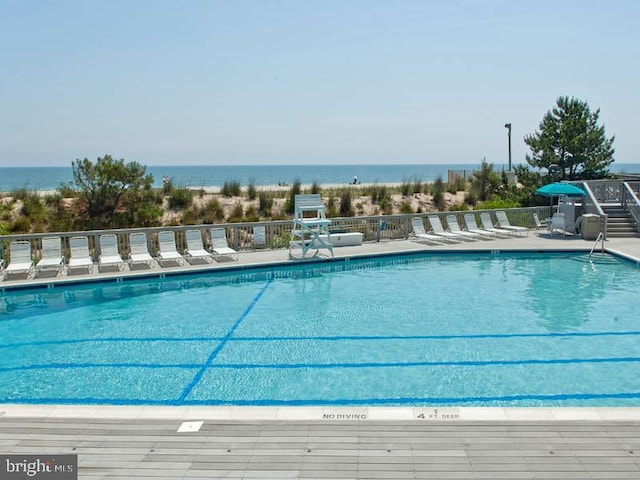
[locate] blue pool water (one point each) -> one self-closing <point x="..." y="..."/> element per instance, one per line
<point x="525" y="329"/>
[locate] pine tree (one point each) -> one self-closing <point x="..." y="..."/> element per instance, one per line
<point x="571" y="138"/>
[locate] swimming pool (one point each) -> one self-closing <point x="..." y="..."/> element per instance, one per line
<point x="502" y="329"/>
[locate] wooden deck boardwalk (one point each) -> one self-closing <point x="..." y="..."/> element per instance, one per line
<point x="152" y="449"/>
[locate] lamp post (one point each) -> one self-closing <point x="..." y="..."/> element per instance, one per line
<point x="508" y="127"/>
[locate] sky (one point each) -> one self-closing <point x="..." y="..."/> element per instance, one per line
<point x="314" y="81"/>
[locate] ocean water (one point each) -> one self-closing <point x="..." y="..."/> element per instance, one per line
<point x="50" y="178"/>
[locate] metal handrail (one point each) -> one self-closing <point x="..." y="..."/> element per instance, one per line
<point x="600" y="238"/>
<point x="591" y="205"/>
<point x="632" y="203"/>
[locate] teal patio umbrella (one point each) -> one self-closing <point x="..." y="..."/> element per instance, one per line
<point x="559" y="189"/>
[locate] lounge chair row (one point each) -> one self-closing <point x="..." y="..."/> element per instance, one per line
<point x="80" y="257"/>
<point x="471" y="232"/>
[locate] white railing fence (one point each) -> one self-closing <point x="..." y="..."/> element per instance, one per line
<point x="278" y="233"/>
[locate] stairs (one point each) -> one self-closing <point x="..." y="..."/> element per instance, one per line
<point x="620" y="223"/>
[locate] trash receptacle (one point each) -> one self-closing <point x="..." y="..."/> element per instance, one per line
<point x="590" y="227"/>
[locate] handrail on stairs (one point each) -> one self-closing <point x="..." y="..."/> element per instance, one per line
<point x="600" y="238"/>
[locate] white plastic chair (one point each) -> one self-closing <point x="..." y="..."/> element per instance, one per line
<point x="503" y="221"/>
<point x="557" y="223"/>
<point x="487" y="224"/>
<point x="80" y="256"/>
<point x="472" y="226"/>
<point x="195" y="248"/>
<point x="20" y="258"/>
<point x="139" y="250"/>
<point x="51" y="254"/>
<point x="438" y="229"/>
<point x="540" y="224"/>
<point x="219" y="246"/>
<point x="168" y="251"/>
<point x="452" y="222"/>
<point x="109" y="253"/>
<point x="420" y="234"/>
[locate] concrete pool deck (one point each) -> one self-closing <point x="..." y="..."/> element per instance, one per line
<point x="336" y="442"/>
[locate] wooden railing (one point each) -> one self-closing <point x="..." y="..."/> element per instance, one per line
<point x="278" y="233"/>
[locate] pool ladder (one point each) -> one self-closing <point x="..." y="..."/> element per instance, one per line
<point x="599" y="239"/>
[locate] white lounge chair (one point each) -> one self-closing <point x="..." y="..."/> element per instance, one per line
<point x="168" y="251"/>
<point x="51" y="255"/>
<point x="420" y="234"/>
<point x="472" y="226"/>
<point x="503" y="222"/>
<point x="80" y="256"/>
<point x="487" y="224"/>
<point x="139" y="250"/>
<point x="109" y="253"/>
<point x="219" y="246"/>
<point x="557" y="223"/>
<point x="195" y="248"/>
<point x="438" y="229"/>
<point x="20" y="258"/>
<point x="452" y="222"/>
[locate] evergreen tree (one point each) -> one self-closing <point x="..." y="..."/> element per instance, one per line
<point x="114" y="194"/>
<point x="571" y="138"/>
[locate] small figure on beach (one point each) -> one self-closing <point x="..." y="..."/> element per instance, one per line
<point x="355" y="179"/>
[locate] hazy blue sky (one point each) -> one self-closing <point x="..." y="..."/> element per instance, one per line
<point x="307" y="81"/>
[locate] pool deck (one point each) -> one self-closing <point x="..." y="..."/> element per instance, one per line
<point x="334" y="442"/>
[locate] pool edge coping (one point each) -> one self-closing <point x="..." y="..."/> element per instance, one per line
<point x="424" y="414"/>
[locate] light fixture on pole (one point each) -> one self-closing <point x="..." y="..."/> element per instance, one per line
<point x="508" y="127"/>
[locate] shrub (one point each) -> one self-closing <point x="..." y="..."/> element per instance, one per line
<point x="212" y="211"/>
<point x="281" y="241"/>
<point x="231" y="188"/>
<point x="236" y="213"/>
<point x="66" y="191"/>
<point x="167" y="186"/>
<point x="252" y="191"/>
<point x="20" y="225"/>
<point x="470" y="198"/>
<point x="406" y="207"/>
<point x="379" y="193"/>
<point x="265" y="203"/>
<point x="331" y="207"/>
<point x="295" y="189"/>
<point x="251" y="215"/>
<point x="406" y="188"/>
<point x="180" y="198"/>
<point x="438" y="199"/>
<point x="315" y="187"/>
<point x="498" y="203"/>
<point x="458" y="207"/>
<point x="33" y="208"/>
<point x="417" y="185"/>
<point x="52" y="199"/>
<point x="386" y="206"/>
<point x="20" y="193"/>
<point x="345" y="204"/>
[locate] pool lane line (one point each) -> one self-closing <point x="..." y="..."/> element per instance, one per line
<point x="478" y="401"/>
<point x="291" y="366"/>
<point x="334" y="338"/>
<point x="224" y="340"/>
